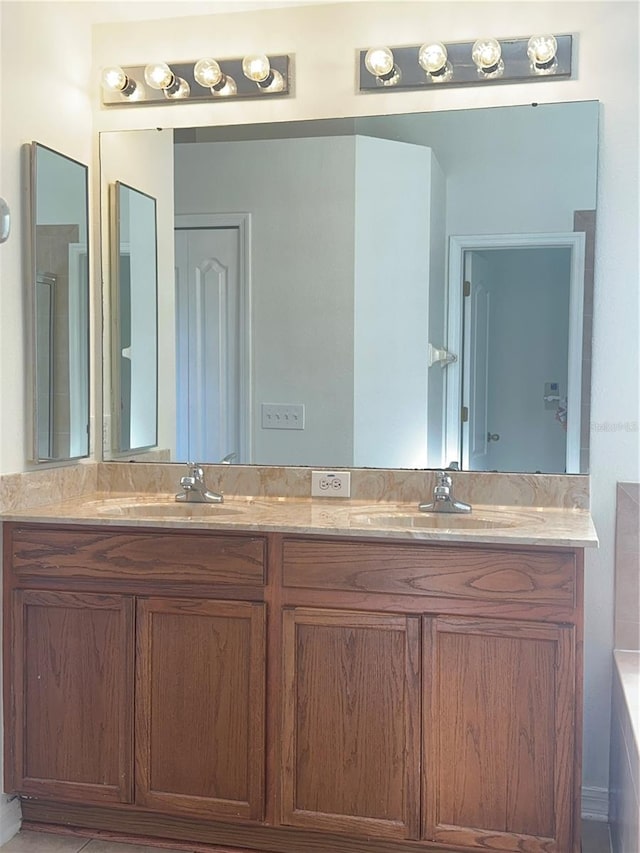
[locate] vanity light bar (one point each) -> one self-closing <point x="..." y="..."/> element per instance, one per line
<point x="521" y="60"/>
<point x="186" y="82"/>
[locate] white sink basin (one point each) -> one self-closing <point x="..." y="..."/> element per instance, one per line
<point x="435" y="521"/>
<point x="165" y="506"/>
<point x="169" y="510"/>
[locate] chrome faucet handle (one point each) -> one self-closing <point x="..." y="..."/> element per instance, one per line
<point x="194" y="477"/>
<point x="194" y="487"/>
<point x="443" y="499"/>
<point x="443" y="480"/>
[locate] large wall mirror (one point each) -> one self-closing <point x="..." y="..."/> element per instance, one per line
<point x="58" y="299"/>
<point x="397" y="291"/>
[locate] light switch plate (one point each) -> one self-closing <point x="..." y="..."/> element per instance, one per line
<point x="283" y="416"/>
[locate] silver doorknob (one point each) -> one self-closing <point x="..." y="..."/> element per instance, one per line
<point x="493" y="436"/>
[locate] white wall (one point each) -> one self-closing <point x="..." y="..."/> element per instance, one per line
<point x="436" y="380"/>
<point x="302" y="256"/>
<point x="56" y="35"/>
<point x="558" y="145"/>
<point x="391" y="312"/>
<point x="46" y="54"/>
<point x="362" y="383"/>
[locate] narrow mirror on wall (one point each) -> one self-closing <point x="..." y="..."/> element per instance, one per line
<point x="134" y="320"/>
<point x="58" y="296"/>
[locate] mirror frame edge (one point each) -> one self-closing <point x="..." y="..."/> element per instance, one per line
<point x="29" y="278"/>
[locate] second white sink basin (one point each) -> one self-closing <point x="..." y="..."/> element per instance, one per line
<point x="168" y="510"/>
<point x="436" y="520"/>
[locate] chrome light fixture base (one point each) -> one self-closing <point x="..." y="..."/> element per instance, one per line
<point x="518" y="67"/>
<point x="196" y="93"/>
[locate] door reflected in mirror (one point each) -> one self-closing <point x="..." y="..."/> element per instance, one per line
<point x="310" y="346"/>
<point x="58" y="289"/>
<point x="516" y="311"/>
<point x="134" y="311"/>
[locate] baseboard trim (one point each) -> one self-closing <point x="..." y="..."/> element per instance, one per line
<point x="10" y="818"/>
<point x="595" y="804"/>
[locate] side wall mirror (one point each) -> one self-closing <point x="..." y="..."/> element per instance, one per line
<point x="57" y="289"/>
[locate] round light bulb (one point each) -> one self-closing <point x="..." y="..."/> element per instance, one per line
<point x="227" y="90"/>
<point x="180" y="89"/>
<point x="276" y="84"/>
<point x="486" y="53"/>
<point x="207" y="72"/>
<point x="379" y="61"/>
<point x="433" y="57"/>
<point x="256" y="67"/>
<point x="541" y="50"/>
<point x="114" y="78"/>
<point x="158" y="75"/>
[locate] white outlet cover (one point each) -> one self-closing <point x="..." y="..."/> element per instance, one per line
<point x="330" y="484"/>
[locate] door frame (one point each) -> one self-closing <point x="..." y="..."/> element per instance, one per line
<point x="241" y="221"/>
<point x="458" y="245"/>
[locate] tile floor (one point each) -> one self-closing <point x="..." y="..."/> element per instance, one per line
<point x="28" y="841"/>
<point x="595" y="839"/>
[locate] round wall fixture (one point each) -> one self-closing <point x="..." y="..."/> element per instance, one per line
<point x="5" y="221"/>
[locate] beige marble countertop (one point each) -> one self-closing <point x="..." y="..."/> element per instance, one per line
<point x="509" y="525"/>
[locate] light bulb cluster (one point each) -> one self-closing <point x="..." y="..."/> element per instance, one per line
<point x="461" y="64"/>
<point x="184" y="81"/>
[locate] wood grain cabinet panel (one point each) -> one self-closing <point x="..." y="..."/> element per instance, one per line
<point x="351" y="722"/>
<point x="480" y="574"/>
<point x="72" y="698"/>
<point x="499" y="721"/>
<point x="200" y="704"/>
<point x="40" y="551"/>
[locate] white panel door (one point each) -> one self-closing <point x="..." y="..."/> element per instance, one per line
<point x="207" y="343"/>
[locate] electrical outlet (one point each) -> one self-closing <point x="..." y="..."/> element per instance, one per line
<point x="283" y="416"/>
<point x="330" y="484"/>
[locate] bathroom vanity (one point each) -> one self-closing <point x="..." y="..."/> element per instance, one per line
<point x="307" y="683"/>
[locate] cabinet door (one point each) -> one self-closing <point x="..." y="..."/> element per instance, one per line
<point x="72" y="697"/>
<point x="200" y="707"/>
<point x="351" y="722"/>
<point x="499" y="719"/>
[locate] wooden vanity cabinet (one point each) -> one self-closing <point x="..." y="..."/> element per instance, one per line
<point x="138" y="696"/>
<point x="290" y="693"/>
<point x="495" y="750"/>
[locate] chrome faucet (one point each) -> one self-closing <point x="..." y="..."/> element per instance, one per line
<point x="194" y="488"/>
<point x="443" y="500"/>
